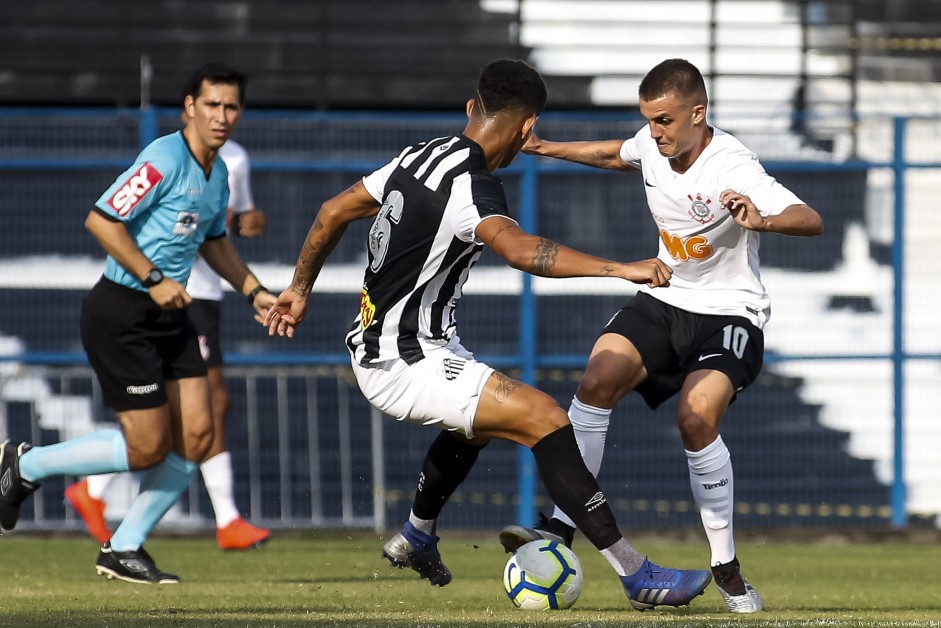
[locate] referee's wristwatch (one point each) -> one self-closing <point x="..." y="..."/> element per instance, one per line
<point x="152" y="278"/>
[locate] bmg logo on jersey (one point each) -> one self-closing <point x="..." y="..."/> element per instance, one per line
<point x="682" y="249"/>
<point x="185" y="224"/>
<point x="134" y="189"/>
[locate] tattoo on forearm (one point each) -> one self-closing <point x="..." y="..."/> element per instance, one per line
<point x="607" y="270"/>
<point x="544" y="257"/>
<point x="505" y="387"/>
<point x="304" y="273"/>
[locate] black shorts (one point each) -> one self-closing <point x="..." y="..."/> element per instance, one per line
<point x="674" y="343"/>
<point x="134" y="346"/>
<point x="204" y="314"/>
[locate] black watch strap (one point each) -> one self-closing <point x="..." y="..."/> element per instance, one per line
<point x="254" y="293"/>
<point x="152" y="278"/>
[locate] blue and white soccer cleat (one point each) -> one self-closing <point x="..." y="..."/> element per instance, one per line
<point x="419" y="551"/>
<point x="654" y="585"/>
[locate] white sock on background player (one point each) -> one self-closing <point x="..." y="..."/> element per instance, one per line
<point x="217" y="476"/>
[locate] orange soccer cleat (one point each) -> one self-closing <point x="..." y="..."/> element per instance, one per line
<point x="241" y="535"/>
<point x="90" y="509"/>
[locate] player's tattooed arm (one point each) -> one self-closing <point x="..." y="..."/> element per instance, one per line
<point x="544" y="257"/>
<point x="310" y="261"/>
<point x="335" y="215"/>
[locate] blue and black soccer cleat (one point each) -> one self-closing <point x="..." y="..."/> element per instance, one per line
<point x="419" y="551"/>
<point x="654" y="585"/>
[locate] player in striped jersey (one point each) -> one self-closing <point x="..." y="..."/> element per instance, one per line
<point x="434" y="207"/>
<point x="700" y="338"/>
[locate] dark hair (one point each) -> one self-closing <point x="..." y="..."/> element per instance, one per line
<point x="215" y="73"/>
<point x="673" y="75"/>
<point x="507" y="84"/>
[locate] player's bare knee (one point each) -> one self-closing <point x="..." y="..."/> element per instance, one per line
<point x="198" y="444"/>
<point x="599" y="391"/>
<point x="145" y="455"/>
<point x="695" y="429"/>
<point x="544" y="420"/>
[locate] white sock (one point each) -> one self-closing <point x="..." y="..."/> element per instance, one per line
<point x="591" y="430"/>
<point x="98" y="484"/>
<point x="217" y="476"/>
<point x="624" y="558"/>
<point x="711" y="478"/>
<point x="427" y="526"/>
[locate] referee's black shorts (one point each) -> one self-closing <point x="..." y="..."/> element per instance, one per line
<point x="673" y="343"/>
<point x="134" y="346"/>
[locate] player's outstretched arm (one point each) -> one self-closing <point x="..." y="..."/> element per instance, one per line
<point x="538" y="256"/>
<point x="329" y="225"/>
<point x="598" y="154"/>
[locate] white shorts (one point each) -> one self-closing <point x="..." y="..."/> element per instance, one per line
<point x="443" y="389"/>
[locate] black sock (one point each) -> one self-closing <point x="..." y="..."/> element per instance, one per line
<point x="447" y="463"/>
<point x="573" y="488"/>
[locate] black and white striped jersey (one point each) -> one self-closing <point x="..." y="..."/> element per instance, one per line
<point x="421" y="247"/>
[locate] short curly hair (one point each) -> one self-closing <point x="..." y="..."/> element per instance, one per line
<point x="507" y="84"/>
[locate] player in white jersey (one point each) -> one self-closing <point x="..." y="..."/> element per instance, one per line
<point x="701" y="336"/>
<point x="205" y="288"/>
<point x="435" y="206"/>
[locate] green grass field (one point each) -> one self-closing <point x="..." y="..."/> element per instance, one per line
<point x="336" y="579"/>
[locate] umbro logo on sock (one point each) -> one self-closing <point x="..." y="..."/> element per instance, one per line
<point x="6" y="482"/>
<point x="596" y="500"/>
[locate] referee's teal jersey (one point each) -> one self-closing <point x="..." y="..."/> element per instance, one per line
<point x="169" y="207"/>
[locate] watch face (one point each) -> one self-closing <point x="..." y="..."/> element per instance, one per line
<point x="154" y="276"/>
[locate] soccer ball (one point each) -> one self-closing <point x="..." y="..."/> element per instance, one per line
<point x="543" y="575"/>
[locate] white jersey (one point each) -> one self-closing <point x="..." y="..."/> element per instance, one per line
<point x="204" y="283"/>
<point x="714" y="260"/>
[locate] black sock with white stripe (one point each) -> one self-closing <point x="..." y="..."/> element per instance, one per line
<point x="574" y="489"/>
<point x="446" y="465"/>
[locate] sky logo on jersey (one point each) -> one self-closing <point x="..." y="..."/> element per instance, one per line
<point x="694" y="247"/>
<point x="134" y="189"/>
<point x="366" y="309"/>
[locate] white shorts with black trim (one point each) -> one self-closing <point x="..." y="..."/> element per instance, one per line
<point x="443" y="389"/>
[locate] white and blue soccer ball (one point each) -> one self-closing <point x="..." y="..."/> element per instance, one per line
<point x="543" y="575"/>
